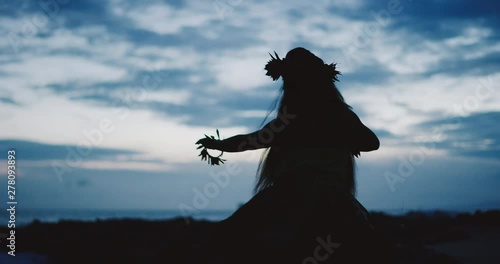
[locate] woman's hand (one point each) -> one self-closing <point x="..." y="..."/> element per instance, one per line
<point x="209" y="143"/>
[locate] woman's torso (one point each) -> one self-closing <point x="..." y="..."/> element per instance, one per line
<point x="313" y="148"/>
<point x="322" y="127"/>
<point x="312" y="168"/>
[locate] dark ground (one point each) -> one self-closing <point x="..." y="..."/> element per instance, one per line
<point x="420" y="238"/>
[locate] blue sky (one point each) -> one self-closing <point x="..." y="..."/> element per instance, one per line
<point x="103" y="100"/>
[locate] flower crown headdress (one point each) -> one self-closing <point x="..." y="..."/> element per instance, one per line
<point x="276" y="66"/>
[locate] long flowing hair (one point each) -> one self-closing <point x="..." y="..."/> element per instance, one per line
<point x="308" y="86"/>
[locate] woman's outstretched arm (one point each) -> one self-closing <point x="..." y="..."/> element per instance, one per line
<point x="262" y="138"/>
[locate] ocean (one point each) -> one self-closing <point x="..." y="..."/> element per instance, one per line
<point x="26" y="216"/>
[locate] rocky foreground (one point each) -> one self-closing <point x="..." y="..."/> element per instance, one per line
<point x="420" y="238"/>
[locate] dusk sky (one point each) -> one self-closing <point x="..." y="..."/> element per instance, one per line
<point x="104" y="100"/>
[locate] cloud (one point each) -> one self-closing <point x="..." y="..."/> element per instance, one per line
<point x="436" y="19"/>
<point x="240" y="70"/>
<point x="58" y="69"/>
<point x="474" y="136"/>
<point x="7" y="100"/>
<point x="162" y="18"/>
<point x="125" y="44"/>
<point x="64" y="160"/>
<point x="29" y="150"/>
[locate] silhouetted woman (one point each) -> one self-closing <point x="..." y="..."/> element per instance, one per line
<point x="304" y="210"/>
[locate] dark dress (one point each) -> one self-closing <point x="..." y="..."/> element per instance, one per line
<point x="309" y="214"/>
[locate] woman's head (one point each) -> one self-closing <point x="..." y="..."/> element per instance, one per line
<point x="308" y="82"/>
<point x="301" y="65"/>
